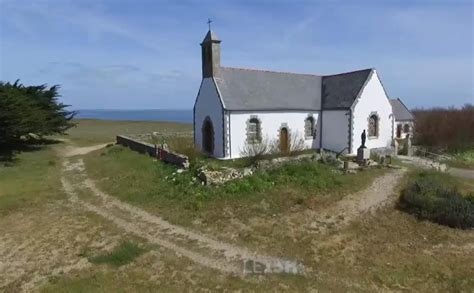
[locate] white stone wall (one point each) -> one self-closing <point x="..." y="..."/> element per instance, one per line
<point x="335" y="130"/>
<point x="271" y="123"/>
<point x="372" y="100"/>
<point x="209" y="104"/>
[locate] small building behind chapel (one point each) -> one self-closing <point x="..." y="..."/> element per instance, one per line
<point x="404" y="119"/>
<point x="238" y="107"/>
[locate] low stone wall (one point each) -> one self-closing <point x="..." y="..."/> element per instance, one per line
<point x="154" y="151"/>
<point x="138" y="146"/>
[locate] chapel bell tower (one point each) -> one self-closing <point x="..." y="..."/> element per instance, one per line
<point x="211" y="55"/>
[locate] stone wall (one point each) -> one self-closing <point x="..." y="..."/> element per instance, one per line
<point x="154" y="151"/>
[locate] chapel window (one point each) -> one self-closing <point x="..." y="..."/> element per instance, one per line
<point x="406" y="128"/>
<point x="254" y="131"/>
<point x="373" y="125"/>
<point x="309" y="127"/>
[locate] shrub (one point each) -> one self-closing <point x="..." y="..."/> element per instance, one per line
<point x="257" y="150"/>
<point x="430" y="197"/>
<point x="447" y="129"/>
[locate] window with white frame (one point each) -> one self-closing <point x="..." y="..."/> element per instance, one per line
<point x="254" y="130"/>
<point x="373" y="125"/>
<point x="309" y="129"/>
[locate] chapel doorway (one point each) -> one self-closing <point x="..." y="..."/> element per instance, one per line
<point x="284" y="145"/>
<point x="208" y="136"/>
<point x="399" y="130"/>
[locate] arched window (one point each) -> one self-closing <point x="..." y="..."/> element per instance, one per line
<point x="373" y="125"/>
<point x="254" y="130"/>
<point x="406" y="128"/>
<point x="309" y="131"/>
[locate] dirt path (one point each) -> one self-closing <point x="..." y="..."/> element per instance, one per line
<point x="71" y="151"/>
<point x="197" y="247"/>
<point x="377" y="195"/>
<point x="426" y="163"/>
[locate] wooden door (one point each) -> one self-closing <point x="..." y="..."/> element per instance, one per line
<point x="284" y="146"/>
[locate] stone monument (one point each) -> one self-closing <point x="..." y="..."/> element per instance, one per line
<point x="363" y="153"/>
<point x="408" y="145"/>
<point x="395" y="147"/>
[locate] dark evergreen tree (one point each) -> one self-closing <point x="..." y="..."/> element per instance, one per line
<point x="31" y="111"/>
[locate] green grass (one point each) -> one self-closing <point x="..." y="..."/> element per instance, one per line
<point x="31" y="180"/>
<point x="123" y="254"/>
<point x="154" y="186"/>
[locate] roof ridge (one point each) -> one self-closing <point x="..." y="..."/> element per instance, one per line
<point x="271" y="71"/>
<point x="401" y="102"/>
<point x="296" y="73"/>
<point x="349" y="72"/>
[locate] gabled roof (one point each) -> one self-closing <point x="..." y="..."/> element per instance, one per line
<point x="246" y="89"/>
<point x="249" y="90"/>
<point x="339" y="91"/>
<point x="400" y="111"/>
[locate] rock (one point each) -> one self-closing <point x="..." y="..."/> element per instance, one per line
<point x="247" y="171"/>
<point x="209" y="177"/>
<point x="353" y="166"/>
<point x="443" y="167"/>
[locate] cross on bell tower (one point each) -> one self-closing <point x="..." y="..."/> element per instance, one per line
<point x="209" y="21"/>
<point x="211" y="53"/>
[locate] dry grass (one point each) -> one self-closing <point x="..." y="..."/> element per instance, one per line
<point x="385" y="251"/>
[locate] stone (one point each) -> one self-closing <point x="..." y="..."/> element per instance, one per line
<point x="247" y="171"/>
<point x="353" y="166"/>
<point x="363" y="154"/>
<point x="395" y="146"/>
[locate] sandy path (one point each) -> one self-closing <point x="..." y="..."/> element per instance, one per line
<point x="426" y="163"/>
<point x="381" y="192"/>
<point x="71" y="151"/>
<point x="197" y="247"/>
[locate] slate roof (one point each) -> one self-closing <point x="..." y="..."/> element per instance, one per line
<point x="211" y="36"/>
<point x="400" y="111"/>
<point x="247" y="89"/>
<point x="340" y="90"/>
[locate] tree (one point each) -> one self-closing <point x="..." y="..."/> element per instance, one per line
<point x="31" y="110"/>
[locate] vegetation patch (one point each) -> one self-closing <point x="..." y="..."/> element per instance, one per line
<point x="463" y="159"/>
<point x="434" y="196"/>
<point x="441" y="129"/>
<point x="180" y="197"/>
<point x="30" y="181"/>
<point x="123" y="254"/>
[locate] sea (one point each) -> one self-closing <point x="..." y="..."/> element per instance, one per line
<point x="184" y="116"/>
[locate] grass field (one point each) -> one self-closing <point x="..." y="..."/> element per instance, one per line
<point x="89" y="131"/>
<point x="53" y="246"/>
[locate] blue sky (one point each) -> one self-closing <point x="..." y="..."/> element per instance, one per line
<point x="124" y="54"/>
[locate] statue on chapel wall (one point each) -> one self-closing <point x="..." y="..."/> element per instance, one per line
<point x="363" y="137"/>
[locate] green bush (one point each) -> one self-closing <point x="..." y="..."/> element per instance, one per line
<point x="432" y="196"/>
